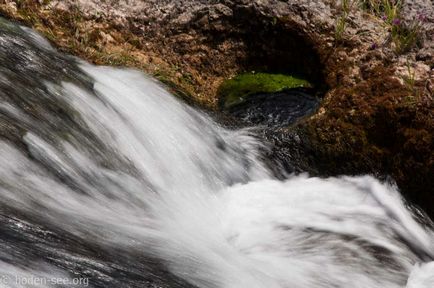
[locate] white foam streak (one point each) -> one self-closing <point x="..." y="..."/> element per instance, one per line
<point x="422" y="276"/>
<point x="197" y="196"/>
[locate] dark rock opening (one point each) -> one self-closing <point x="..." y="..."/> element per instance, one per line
<point x="246" y="40"/>
<point x="278" y="46"/>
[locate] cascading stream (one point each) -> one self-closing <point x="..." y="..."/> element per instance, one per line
<point x="105" y="175"/>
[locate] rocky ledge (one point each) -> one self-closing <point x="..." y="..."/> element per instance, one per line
<point x="372" y="60"/>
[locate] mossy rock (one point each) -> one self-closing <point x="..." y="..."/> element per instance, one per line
<point x="235" y="91"/>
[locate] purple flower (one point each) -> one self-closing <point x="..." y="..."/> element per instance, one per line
<point x="396" y="22"/>
<point x="421" y="17"/>
<point x="373" y="46"/>
<point x="384" y="18"/>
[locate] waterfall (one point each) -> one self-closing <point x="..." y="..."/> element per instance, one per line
<point x="106" y="177"/>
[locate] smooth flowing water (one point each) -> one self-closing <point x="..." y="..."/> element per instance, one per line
<point x="108" y="179"/>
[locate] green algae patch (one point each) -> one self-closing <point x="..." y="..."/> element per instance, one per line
<point x="234" y="91"/>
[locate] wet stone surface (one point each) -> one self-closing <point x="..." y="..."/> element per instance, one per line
<point x="276" y="109"/>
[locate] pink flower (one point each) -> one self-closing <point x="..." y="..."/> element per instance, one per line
<point x="421" y="17"/>
<point x="396" y="22"/>
<point x="373" y="46"/>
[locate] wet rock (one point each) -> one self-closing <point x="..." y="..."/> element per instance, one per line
<point x="278" y="109"/>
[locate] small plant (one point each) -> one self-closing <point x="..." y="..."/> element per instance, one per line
<point x="410" y="79"/>
<point x="405" y="37"/>
<point x="391" y="9"/>
<point x="341" y="24"/>
<point x="341" y="21"/>
<point x="373" y="6"/>
<point x="387" y="9"/>
<point x="346" y="6"/>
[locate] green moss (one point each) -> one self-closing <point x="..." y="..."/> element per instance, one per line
<point x="235" y="90"/>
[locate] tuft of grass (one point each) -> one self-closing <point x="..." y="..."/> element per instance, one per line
<point x="342" y="20"/>
<point x="386" y="9"/>
<point x="234" y="91"/>
<point x="346" y="5"/>
<point x="391" y="10"/>
<point x="405" y="36"/>
<point x="340" y="26"/>
<point x="410" y="78"/>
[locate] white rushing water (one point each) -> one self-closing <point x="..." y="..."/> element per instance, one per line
<point x="198" y="197"/>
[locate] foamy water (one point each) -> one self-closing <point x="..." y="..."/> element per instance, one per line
<point x="128" y="167"/>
